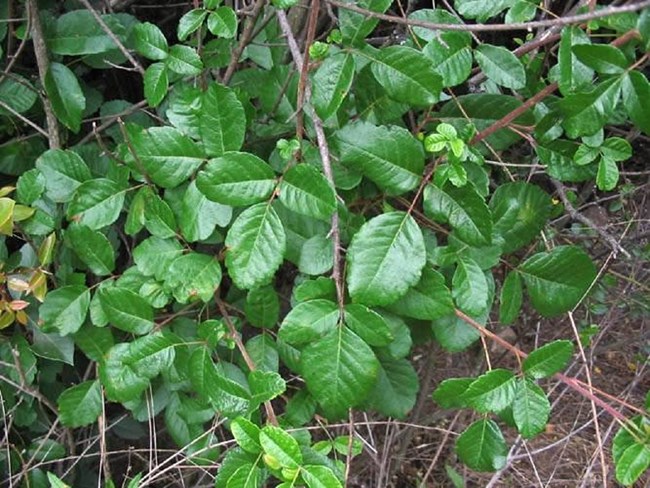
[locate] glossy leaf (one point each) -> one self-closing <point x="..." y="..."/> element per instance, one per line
<point x="222" y="22"/>
<point x="450" y="392"/>
<point x="156" y="83"/>
<point x="319" y="477"/>
<point x="236" y="179"/>
<point x="520" y="211"/>
<point x="81" y="404"/>
<point x="530" y="408"/>
<point x="184" y="60"/>
<point x="430" y="299"/>
<point x="126" y="310"/>
<point x="92" y="247"/>
<point x="632" y="463"/>
<point x="395" y="392"/>
<point x="451" y="56"/>
<point x="193" y="275"/>
<point x="222" y="121"/>
<point x="470" y="287"/>
<point x="149" y="41"/>
<point x="573" y="73"/>
<point x="602" y="58"/>
<point x="63" y="172"/>
<point x="96" y="203"/>
<point x="635" y="89"/>
<point x="190" y="22"/>
<point x="167" y="157"/>
<point x="306" y="191"/>
<point x="340" y="371"/>
<point x="64" y="309"/>
<point x="585" y="113"/>
<point x="492" y="391"/>
<point x="247" y="435"/>
<point x="355" y="27"/>
<point x="389" y="156"/>
<point x="368" y="325"/>
<point x="279" y="444"/>
<point x="464" y="209"/>
<point x="557" y="280"/>
<point x="501" y="66"/>
<point x="607" y="176"/>
<point x="153" y="256"/>
<point x="256" y="244"/>
<point x="262" y="307"/>
<point x="64" y="92"/>
<point x="511" y="298"/>
<point x="385" y="258"/>
<point x="309" y="321"/>
<point x="331" y="84"/>
<point x="407" y="75"/>
<point x="548" y="359"/>
<point x="199" y="216"/>
<point x="482" y="446"/>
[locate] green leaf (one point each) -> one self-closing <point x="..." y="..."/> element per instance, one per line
<point x="501" y="66"/>
<point x="167" y="157"/>
<point x="607" y="176"/>
<point x="53" y="346"/>
<point x="520" y="211"/>
<point x="222" y="121"/>
<point x="385" y="259"/>
<point x="158" y="216"/>
<point x="331" y="84"/>
<point x="430" y="299"/>
<point x="262" y="307"/>
<point x="603" y="58"/>
<point x="156" y="83"/>
<point x="92" y="247"/>
<point x="126" y="310"/>
<point x="7" y="206"/>
<point x="81" y="404"/>
<point x="153" y="256"/>
<point x="451" y="55"/>
<point x="480" y="10"/>
<point x="470" y="287"/>
<point x="135" y="218"/>
<point x="390" y="156"/>
<point x="56" y="482"/>
<point x="63" y="172"/>
<point x="66" y="96"/>
<point x="265" y="386"/>
<point x="236" y="179"/>
<point x="557" y="280"/>
<point x="464" y="209"/>
<point x="632" y="463"/>
<point x="450" y="393"/>
<point x="190" y="22"/>
<point x="635" y="90"/>
<point x="18" y="93"/>
<point x="306" y="191"/>
<point x="587" y="113"/>
<point x="77" y="33"/>
<point x="340" y="371"/>
<point x="407" y="75"/>
<point x="355" y="27"/>
<point x="184" y="60"/>
<point x="395" y="392"/>
<point x="193" y="275"/>
<point x="223" y="22"/>
<point x="368" y="325"/>
<point x="149" y="41"/>
<point x="492" y="391"/>
<point x="511" y="298"/>
<point x="482" y="446"/>
<point x="264" y="352"/>
<point x="247" y="435"/>
<point x="573" y="73"/>
<point x="199" y="216"/>
<point x="64" y="309"/>
<point x="530" y="408"/>
<point x="309" y="321"/>
<point x="121" y="382"/>
<point x="96" y="203"/>
<point x="256" y="244"/>
<point x="279" y="444"/>
<point x="616" y="149"/>
<point x="30" y="186"/>
<point x="316" y="255"/>
<point x="319" y="477"/>
<point x="548" y="359"/>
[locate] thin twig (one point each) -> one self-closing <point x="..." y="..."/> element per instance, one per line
<point x="575" y="215"/>
<point x="270" y="413"/>
<point x="120" y="45"/>
<point x="245" y="38"/>
<point x="302" y="81"/>
<point x="323" y="148"/>
<point x="567" y="20"/>
<point x="43" y="63"/>
<point x="20" y="116"/>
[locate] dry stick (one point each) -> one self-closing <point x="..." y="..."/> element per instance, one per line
<point x="270" y="413"/>
<point x="245" y="38"/>
<point x="113" y="119"/>
<point x="568" y="20"/>
<point x="134" y="62"/>
<point x="575" y="215"/>
<point x="324" y="151"/>
<point x="572" y="383"/>
<point x="43" y="63"/>
<point x="302" y="81"/>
